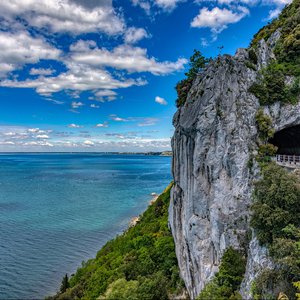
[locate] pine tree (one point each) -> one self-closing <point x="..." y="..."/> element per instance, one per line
<point x="64" y="284"/>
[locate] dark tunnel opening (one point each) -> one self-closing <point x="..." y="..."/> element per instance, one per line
<point x="287" y="140"/>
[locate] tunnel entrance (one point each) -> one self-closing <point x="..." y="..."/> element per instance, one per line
<point x="287" y="140"/>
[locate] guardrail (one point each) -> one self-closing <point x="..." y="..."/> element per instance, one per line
<point x="288" y="160"/>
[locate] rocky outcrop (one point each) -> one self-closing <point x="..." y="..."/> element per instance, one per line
<point x="213" y="145"/>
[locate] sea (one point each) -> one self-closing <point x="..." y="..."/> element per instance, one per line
<point x="58" y="209"/>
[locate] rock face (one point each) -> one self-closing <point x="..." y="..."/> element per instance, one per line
<point x="213" y="145"/>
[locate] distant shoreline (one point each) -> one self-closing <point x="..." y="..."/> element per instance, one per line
<point x="160" y="153"/>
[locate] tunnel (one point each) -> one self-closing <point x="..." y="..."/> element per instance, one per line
<point x="287" y="140"/>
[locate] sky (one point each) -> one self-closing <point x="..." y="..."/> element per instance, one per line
<point x="99" y="75"/>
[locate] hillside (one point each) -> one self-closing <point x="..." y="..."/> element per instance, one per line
<point x="139" y="264"/>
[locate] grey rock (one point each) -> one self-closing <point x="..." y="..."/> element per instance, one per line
<point x="215" y="137"/>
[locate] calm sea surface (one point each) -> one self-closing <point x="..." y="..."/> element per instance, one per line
<point x="57" y="210"/>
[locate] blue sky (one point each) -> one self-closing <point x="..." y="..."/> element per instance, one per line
<point x="99" y="75"/>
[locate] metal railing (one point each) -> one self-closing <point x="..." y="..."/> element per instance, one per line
<point x="287" y="159"/>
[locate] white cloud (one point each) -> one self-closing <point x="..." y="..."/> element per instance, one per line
<point x="144" y="4"/>
<point x="105" y="95"/>
<point x="123" y="57"/>
<point x="147" y="122"/>
<point x="160" y="100"/>
<point x="168" y="4"/>
<point x="133" y="35"/>
<point x="64" y="16"/>
<point x="19" y="48"/>
<point x="78" y="78"/>
<point x="42" y="136"/>
<point x="217" y="18"/>
<point x="94" y="106"/>
<point x="88" y="143"/>
<point x="102" y="125"/>
<point x="75" y="104"/>
<point x="118" y="119"/>
<point x="74" y="126"/>
<point x="41" y="71"/>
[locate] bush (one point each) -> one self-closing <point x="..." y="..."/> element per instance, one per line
<point x="252" y="56"/>
<point x="264" y="124"/>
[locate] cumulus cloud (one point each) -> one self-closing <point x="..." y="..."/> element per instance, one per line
<point x="123" y="57"/>
<point x="64" y="16"/>
<point x="160" y="100"/>
<point x="134" y="35"/>
<point x="19" y="48"/>
<point x="78" y="78"/>
<point x="217" y="18"/>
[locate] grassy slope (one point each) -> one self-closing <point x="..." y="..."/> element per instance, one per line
<point x="140" y="263"/>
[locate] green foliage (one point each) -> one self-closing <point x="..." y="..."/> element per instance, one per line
<point x="197" y="63"/>
<point x="250" y="65"/>
<point x="272" y="87"/>
<point x="64" y="284"/>
<point x="276" y="219"/>
<point x="266" y="152"/>
<point x="265" y="283"/>
<point x="276" y="203"/>
<point x="297" y="286"/>
<point x="139" y="264"/>
<point x="227" y="281"/>
<point x="252" y="56"/>
<point x="264" y="124"/>
<point x="288" y="47"/>
<point x="183" y="87"/>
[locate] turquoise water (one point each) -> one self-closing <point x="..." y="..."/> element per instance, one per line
<point x="57" y="210"/>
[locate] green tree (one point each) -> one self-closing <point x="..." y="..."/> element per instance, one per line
<point x="64" y="284"/>
<point x="197" y="63"/>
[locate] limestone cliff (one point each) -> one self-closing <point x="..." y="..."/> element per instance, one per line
<point x="214" y="142"/>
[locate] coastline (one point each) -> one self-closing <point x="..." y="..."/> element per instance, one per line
<point x="114" y="267"/>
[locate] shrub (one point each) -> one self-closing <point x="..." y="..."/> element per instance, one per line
<point x="252" y="56"/>
<point x="264" y="123"/>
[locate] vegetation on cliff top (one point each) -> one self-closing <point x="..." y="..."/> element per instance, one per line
<point x="139" y="264"/>
<point x="272" y="85"/>
<point x="197" y="63"/>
